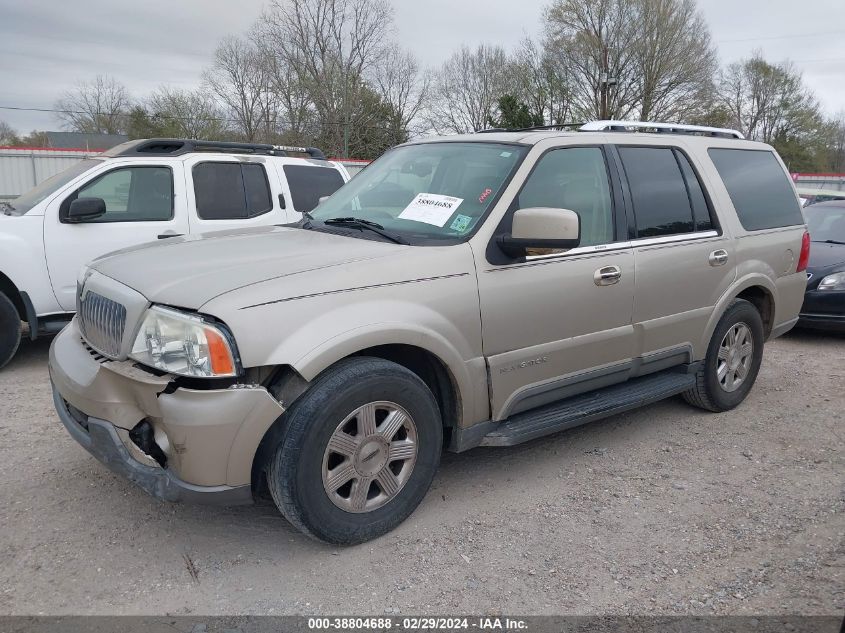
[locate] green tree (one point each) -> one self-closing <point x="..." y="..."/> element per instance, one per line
<point x="514" y="114"/>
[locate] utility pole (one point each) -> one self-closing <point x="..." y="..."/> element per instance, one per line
<point x="606" y="82"/>
<point x="605" y="71"/>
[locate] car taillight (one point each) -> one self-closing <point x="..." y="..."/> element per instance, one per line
<point x="804" y="258"/>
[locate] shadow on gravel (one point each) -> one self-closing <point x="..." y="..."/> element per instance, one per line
<point x="30" y="353"/>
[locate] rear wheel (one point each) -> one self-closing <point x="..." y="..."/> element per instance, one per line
<point x="358" y="451"/>
<point x="733" y="360"/>
<point x="10" y="329"/>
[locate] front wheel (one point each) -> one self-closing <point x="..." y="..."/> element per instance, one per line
<point x="10" y="329"/>
<point x="733" y="360"/>
<point x="358" y="451"/>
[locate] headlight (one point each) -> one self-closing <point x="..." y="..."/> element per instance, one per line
<point x="836" y="281"/>
<point x="183" y="344"/>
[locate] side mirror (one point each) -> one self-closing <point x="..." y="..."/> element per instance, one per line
<point x="541" y="227"/>
<point x="85" y="209"/>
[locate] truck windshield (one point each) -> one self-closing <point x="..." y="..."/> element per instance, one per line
<point x="24" y="202"/>
<point x="438" y="191"/>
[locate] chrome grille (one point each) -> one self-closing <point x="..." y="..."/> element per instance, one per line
<point x="102" y="322"/>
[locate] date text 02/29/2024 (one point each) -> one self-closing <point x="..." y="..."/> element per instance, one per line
<point x="417" y="624"/>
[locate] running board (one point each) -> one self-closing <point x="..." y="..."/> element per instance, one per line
<point x="587" y="407"/>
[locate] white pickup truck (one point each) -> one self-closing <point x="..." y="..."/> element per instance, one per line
<point x="137" y="192"/>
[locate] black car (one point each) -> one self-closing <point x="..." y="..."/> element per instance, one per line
<point x="824" y="301"/>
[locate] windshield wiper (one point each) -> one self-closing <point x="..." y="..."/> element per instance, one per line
<point x="360" y="223"/>
<point x="828" y="242"/>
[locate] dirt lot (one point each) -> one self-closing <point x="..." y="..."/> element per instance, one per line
<point x="666" y="510"/>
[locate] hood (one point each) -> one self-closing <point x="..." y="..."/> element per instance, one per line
<point x="190" y="271"/>
<point x="823" y="256"/>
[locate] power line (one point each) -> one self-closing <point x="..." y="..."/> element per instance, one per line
<point x="781" y="37"/>
<point x="261" y="121"/>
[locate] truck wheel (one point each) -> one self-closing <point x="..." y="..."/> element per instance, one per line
<point x="10" y="329"/>
<point x="358" y="451"/>
<point x="733" y="360"/>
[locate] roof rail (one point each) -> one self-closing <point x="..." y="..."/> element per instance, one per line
<point x="533" y="128"/>
<point x="659" y="128"/>
<point x="180" y="146"/>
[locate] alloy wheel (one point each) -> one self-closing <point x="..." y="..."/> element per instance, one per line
<point x="736" y="352"/>
<point x="370" y="457"/>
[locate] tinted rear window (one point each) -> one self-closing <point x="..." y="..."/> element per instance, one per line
<point x="231" y="191"/>
<point x="759" y="188"/>
<point x="309" y="184"/>
<point x="661" y="202"/>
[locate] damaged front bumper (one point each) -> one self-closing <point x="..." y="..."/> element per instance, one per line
<point x="205" y="440"/>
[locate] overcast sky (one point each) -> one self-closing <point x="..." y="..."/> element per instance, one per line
<point x="47" y="45"/>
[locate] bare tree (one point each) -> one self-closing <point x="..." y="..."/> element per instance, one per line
<point x="287" y="95"/>
<point x="8" y="136"/>
<point x="332" y="46"/>
<point x="190" y="113"/>
<point x="766" y="100"/>
<point x="403" y="87"/>
<point x="836" y="144"/>
<point x="467" y="87"/>
<point x="97" y="106"/>
<point x="239" y="78"/>
<point x="591" y="42"/>
<point x="651" y="59"/>
<point x="674" y="59"/>
<point x="540" y="84"/>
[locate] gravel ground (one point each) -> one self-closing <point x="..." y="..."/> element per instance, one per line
<point x="664" y="510"/>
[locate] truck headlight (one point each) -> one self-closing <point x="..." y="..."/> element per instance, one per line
<point x="183" y="344"/>
<point x="836" y="281"/>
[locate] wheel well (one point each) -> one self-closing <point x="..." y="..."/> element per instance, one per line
<point x="762" y="300"/>
<point x="8" y="288"/>
<point x="287" y="385"/>
<point x="432" y="371"/>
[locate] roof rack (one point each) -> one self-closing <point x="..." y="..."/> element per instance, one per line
<point x="659" y="128"/>
<point x="180" y="146"/>
<point x="558" y="126"/>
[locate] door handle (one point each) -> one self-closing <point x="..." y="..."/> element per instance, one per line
<point x="167" y="234"/>
<point x="718" y="258"/>
<point x="607" y="276"/>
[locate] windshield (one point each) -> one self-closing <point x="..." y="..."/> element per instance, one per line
<point x="438" y="191"/>
<point x="25" y="202"/>
<point x="826" y="223"/>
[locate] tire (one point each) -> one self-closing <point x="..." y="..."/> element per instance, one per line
<point x="305" y="475"/>
<point x="10" y="329"/>
<point x="724" y="382"/>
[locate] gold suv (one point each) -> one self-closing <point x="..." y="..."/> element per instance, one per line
<point x="478" y="290"/>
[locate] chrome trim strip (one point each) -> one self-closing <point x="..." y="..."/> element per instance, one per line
<point x="671" y="239"/>
<point x="583" y="250"/>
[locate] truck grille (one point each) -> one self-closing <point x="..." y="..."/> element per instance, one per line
<point x="102" y="322"/>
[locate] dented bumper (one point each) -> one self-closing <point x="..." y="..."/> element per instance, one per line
<point x="208" y="437"/>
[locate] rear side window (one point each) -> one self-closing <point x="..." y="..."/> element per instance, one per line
<point x="308" y="184"/>
<point x="759" y="188"/>
<point x="700" y="208"/>
<point x="661" y="201"/>
<point x="231" y="191"/>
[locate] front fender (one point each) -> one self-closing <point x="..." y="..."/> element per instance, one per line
<point x="23" y="262"/>
<point x="429" y="331"/>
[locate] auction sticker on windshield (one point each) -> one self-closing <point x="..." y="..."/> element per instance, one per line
<point x="431" y="208"/>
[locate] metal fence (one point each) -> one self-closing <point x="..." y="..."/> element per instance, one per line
<point x="21" y="168"/>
